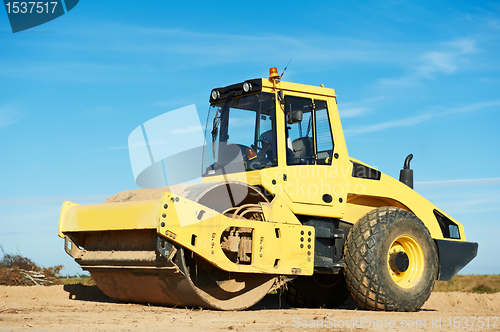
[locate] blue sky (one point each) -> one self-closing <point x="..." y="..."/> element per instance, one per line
<point x="411" y="77"/>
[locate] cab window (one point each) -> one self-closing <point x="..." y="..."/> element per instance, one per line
<point x="308" y="131"/>
<point x="324" y="142"/>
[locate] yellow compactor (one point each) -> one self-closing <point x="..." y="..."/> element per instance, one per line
<point x="281" y="205"/>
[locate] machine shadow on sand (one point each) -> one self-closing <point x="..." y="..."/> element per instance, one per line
<point x="87" y="293"/>
<point x="81" y="292"/>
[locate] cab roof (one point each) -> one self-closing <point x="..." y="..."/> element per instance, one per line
<point x="266" y="85"/>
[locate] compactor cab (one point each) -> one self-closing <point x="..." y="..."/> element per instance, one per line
<point x="281" y="202"/>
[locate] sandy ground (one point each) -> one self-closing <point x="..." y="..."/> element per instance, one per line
<point x="85" y="308"/>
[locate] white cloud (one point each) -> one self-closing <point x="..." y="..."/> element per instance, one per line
<point x="481" y="204"/>
<point x="358" y="108"/>
<point x="408" y="122"/>
<point x="463" y="46"/>
<point x="431" y="63"/>
<point x="417" y="119"/>
<point x="352" y="112"/>
<point x="8" y="115"/>
<point x="471" y="107"/>
<point x="458" y="183"/>
<point x="436" y="62"/>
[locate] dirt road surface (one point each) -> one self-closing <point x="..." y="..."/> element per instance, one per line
<point x="85" y="308"/>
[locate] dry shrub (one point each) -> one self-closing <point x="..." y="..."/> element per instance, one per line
<point x="484" y="287"/>
<point x="16" y="270"/>
<point x="10" y="277"/>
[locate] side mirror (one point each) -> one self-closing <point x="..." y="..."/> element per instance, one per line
<point x="293" y="117"/>
<point x="280" y="97"/>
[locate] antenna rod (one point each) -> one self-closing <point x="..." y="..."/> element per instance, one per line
<point x="285" y="68"/>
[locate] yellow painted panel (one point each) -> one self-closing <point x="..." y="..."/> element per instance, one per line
<point x="267" y="86"/>
<point x="276" y="247"/>
<point x="308" y="183"/>
<point x="278" y="211"/>
<point x="109" y="216"/>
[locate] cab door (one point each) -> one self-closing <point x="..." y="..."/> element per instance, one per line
<point x="311" y="171"/>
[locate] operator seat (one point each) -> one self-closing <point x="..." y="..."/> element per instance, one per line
<point x="302" y="151"/>
<point x="302" y="147"/>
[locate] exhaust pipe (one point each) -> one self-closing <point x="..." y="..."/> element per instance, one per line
<point x="406" y="174"/>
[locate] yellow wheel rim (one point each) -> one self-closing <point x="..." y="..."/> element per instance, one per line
<point x="410" y="259"/>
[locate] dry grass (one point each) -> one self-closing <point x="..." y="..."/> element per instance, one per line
<point x="470" y="283"/>
<point x="84" y="280"/>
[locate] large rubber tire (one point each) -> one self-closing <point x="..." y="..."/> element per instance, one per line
<point x="317" y="291"/>
<point x="370" y="271"/>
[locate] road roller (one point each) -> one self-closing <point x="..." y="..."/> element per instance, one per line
<point x="281" y="205"/>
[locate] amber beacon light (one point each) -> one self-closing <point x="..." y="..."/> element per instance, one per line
<point x="273" y="74"/>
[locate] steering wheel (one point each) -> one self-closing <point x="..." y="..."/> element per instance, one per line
<point x="264" y="146"/>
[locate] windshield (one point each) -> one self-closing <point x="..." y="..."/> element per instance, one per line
<point x="241" y="135"/>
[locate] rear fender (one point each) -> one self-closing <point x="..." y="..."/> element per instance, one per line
<point x="367" y="194"/>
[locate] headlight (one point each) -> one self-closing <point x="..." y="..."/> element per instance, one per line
<point x="247" y="87"/>
<point x="215" y="94"/>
